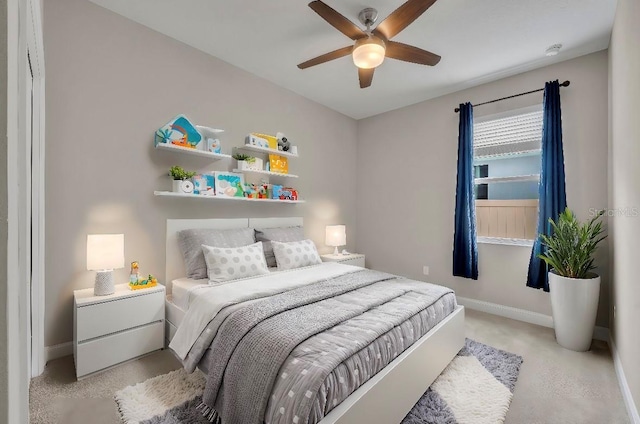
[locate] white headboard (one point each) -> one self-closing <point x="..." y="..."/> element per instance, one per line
<point x="174" y="262"/>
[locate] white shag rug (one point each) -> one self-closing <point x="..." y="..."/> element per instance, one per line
<point x="475" y="388"/>
<point x="472" y="393"/>
<point x="156" y="396"/>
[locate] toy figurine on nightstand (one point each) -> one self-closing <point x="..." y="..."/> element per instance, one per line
<point x="134" y="279"/>
<point x="134" y="275"/>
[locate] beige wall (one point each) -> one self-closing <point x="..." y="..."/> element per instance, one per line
<point x="103" y="70"/>
<point x="110" y="84"/>
<point x="407" y="177"/>
<point x="3" y="212"/>
<point x="624" y="189"/>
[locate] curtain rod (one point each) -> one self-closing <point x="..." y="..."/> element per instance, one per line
<point x="564" y="84"/>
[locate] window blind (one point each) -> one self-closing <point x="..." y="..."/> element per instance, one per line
<point x="514" y="134"/>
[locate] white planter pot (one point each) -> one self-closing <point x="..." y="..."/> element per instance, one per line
<point x="177" y="188"/>
<point x="255" y="165"/>
<point x="574" y="304"/>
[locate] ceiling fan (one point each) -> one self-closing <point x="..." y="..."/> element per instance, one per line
<point x="372" y="46"/>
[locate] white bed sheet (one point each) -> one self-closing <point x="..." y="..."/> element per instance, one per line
<point x="182" y="291"/>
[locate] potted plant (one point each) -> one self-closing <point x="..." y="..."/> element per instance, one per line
<point x="179" y="175"/>
<point x="575" y="289"/>
<point x="245" y="162"/>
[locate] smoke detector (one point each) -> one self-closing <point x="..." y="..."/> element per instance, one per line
<point x="553" y="50"/>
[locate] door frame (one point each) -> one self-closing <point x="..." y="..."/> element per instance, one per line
<point x="24" y="32"/>
<point x="17" y="316"/>
<point x="36" y="54"/>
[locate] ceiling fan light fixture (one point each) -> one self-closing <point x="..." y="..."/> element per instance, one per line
<point x="368" y="52"/>
<point x="553" y="50"/>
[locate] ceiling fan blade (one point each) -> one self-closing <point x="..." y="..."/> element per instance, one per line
<point x="336" y="20"/>
<point x="365" y="76"/>
<point x="402" y="17"/>
<point x="326" y="57"/>
<point x="411" y="54"/>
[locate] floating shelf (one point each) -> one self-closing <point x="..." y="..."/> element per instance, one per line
<point x="266" y="150"/>
<point x="242" y="199"/>
<point x="193" y="152"/>
<point x="515" y="178"/>
<point x="275" y="174"/>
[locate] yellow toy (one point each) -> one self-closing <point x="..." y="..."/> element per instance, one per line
<point x="134" y="279"/>
<point x="151" y="281"/>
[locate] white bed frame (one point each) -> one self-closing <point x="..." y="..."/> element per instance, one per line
<point x="389" y="395"/>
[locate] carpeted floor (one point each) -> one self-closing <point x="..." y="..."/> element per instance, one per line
<point x="555" y="385"/>
<point x="476" y="388"/>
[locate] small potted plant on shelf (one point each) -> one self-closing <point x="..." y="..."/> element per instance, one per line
<point x="575" y="289"/>
<point x="247" y="163"/>
<point x="180" y="177"/>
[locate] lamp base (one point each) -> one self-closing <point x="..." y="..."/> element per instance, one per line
<point x="104" y="283"/>
<point x="335" y="251"/>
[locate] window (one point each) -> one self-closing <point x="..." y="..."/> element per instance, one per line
<point x="482" y="190"/>
<point x="507" y="171"/>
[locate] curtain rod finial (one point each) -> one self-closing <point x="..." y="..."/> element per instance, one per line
<point x="566" y="83"/>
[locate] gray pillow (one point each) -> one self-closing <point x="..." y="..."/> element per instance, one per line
<point x="191" y="241"/>
<point x="296" y="254"/>
<point x="283" y="234"/>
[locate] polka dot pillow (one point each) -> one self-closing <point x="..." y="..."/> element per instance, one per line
<point x="232" y="263"/>
<point x="295" y="254"/>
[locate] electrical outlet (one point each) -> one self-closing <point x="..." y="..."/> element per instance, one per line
<point x="425" y="270"/>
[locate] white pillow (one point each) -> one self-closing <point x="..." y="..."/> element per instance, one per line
<point x="295" y="254"/>
<point x="232" y="263"/>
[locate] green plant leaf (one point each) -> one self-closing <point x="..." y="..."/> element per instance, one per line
<point x="240" y="156"/>
<point x="177" y="173"/>
<point x="570" y="250"/>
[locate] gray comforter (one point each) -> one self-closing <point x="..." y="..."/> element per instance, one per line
<point x="251" y="343"/>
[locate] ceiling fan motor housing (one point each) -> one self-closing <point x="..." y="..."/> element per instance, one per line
<point x="368" y="16"/>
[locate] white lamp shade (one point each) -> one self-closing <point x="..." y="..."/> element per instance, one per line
<point x="105" y="251"/>
<point x="368" y="52"/>
<point x="336" y="235"/>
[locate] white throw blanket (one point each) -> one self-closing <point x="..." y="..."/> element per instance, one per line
<point x="213" y="299"/>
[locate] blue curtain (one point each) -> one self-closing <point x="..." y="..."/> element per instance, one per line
<point x="465" y="249"/>
<point x="552" y="195"/>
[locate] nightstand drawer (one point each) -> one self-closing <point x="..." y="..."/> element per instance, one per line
<point x="100" y="319"/>
<point x="104" y="352"/>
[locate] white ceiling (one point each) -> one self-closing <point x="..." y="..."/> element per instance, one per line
<point x="479" y="41"/>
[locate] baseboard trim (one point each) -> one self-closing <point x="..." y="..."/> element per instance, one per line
<point x="632" y="410"/>
<point x="58" y="351"/>
<point x="599" y="333"/>
<point x="507" y="311"/>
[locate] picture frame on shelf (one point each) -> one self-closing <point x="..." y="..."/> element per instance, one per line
<point x="229" y="184"/>
<point x="256" y="140"/>
<point x="279" y="164"/>
<point x="180" y="131"/>
<point x="212" y="143"/>
<point x="204" y="184"/>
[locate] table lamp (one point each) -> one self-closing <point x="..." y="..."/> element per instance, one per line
<point x="336" y="235"/>
<point x="105" y="252"/>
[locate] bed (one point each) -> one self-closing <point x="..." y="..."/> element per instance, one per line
<point x="386" y="389"/>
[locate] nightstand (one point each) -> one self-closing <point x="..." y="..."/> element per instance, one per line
<point x="108" y="330"/>
<point x="355" y="259"/>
